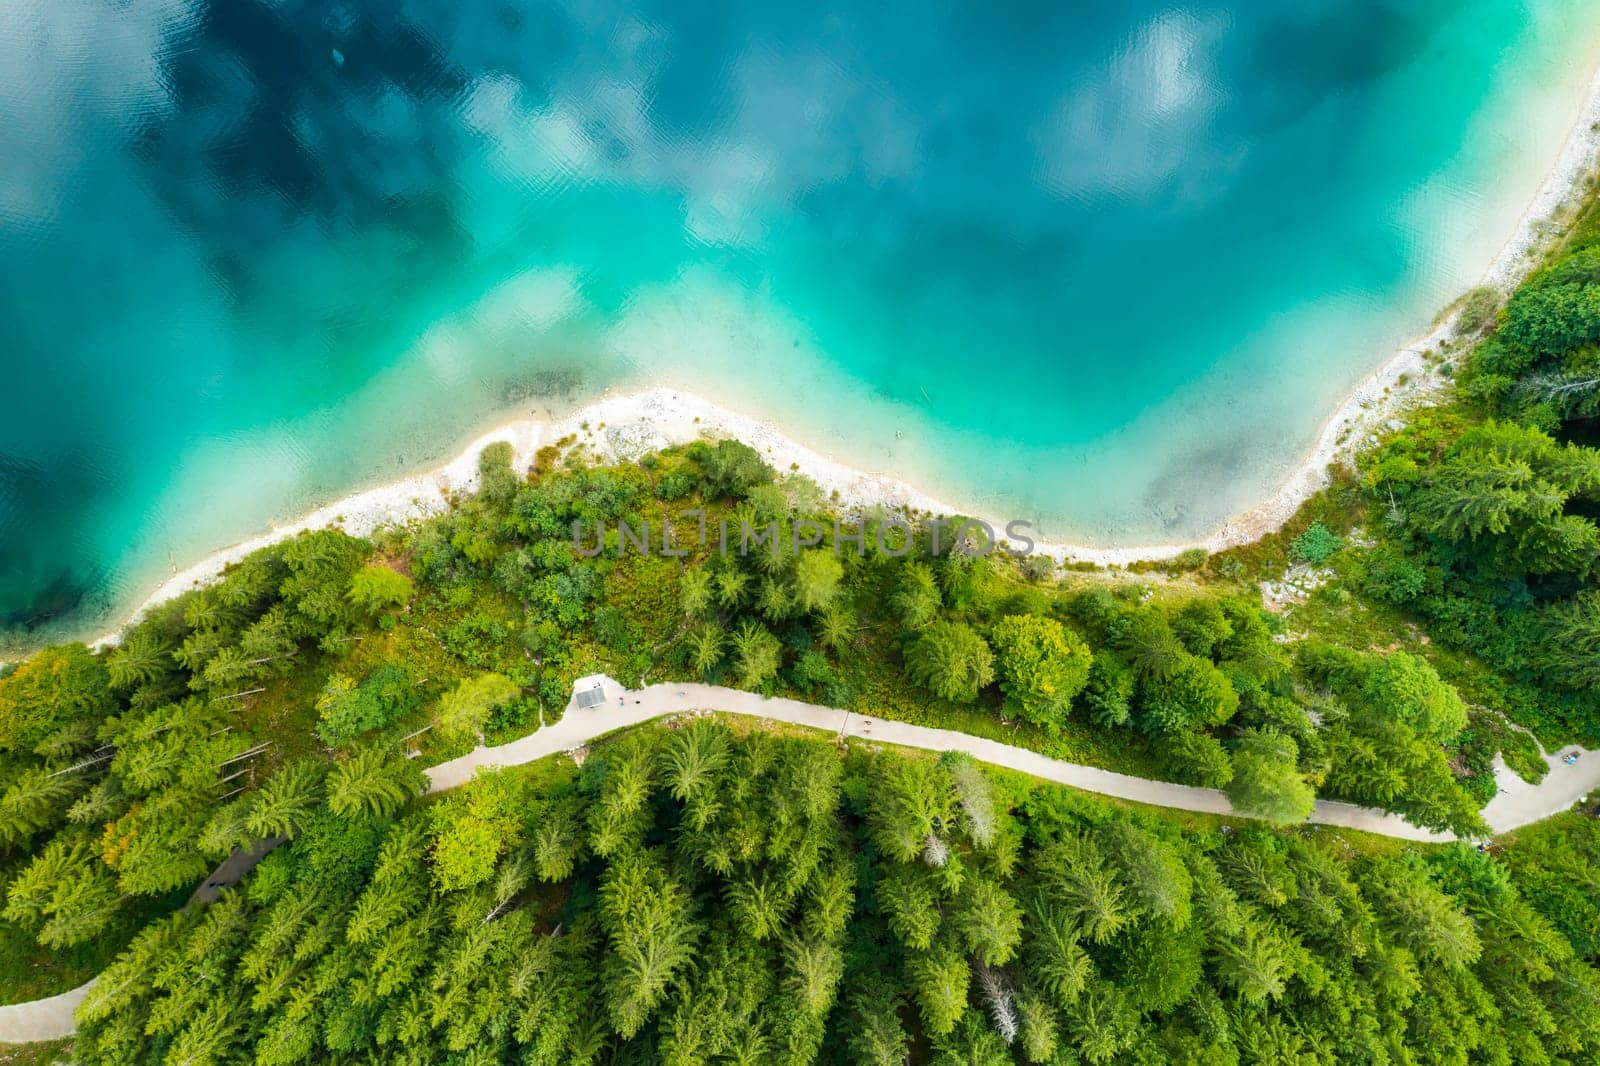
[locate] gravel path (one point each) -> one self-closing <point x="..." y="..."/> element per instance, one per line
<point x="41" y="1019"/>
<point x="623" y="707"/>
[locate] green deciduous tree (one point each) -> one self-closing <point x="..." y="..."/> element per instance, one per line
<point x="48" y="690"/>
<point x="1556" y="310"/>
<point x="471" y="830"/>
<point x="465" y="709"/>
<point x="1196" y="759"/>
<point x="1159" y="964"/>
<point x="1202" y="625"/>
<point x="1190" y="694"/>
<point x="1043" y="666"/>
<point x="1407" y="688"/>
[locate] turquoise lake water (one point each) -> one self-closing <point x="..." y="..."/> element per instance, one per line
<point x="1107" y="269"/>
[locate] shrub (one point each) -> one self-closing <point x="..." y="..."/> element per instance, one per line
<point x="348" y="710"/>
<point x="374" y="588"/>
<point x="1478" y="310"/>
<point x="1315" y="545"/>
<point x="675" y="486"/>
<point x="497" y="482"/>
<point x="732" y="467"/>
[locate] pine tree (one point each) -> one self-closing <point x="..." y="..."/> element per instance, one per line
<point x="837" y="628"/>
<point x="1037" y="1028"/>
<point x="916" y="600"/>
<point x="950" y="660"/>
<point x="81" y="906"/>
<point x="914" y="798"/>
<point x="36" y="799"/>
<point x="1054" y="956"/>
<point x="693" y="758"/>
<point x="1086" y="888"/>
<point x="286" y="800"/>
<point x="1153" y="874"/>
<point x="622" y="813"/>
<point x="28" y="896"/>
<point x="557" y="843"/>
<point x="817" y="574"/>
<point x="758" y="655"/>
<point x="813" y="971"/>
<point x="1256" y="963"/>
<point x="939" y="977"/>
<point x="874" y="1032"/>
<point x="646" y="913"/>
<point x="141" y="659"/>
<point x="373" y="781"/>
<point x="380" y="908"/>
<point x="909" y="902"/>
<point x="695" y="592"/>
<point x="989" y="921"/>
<point x="731" y="584"/>
<point x="705" y="649"/>
<point x="758" y="905"/>
<point x="1101" y="1023"/>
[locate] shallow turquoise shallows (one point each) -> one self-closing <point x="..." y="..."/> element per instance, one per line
<point x="1103" y="266"/>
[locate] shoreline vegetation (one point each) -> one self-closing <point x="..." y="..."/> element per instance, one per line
<point x="624" y="426"/>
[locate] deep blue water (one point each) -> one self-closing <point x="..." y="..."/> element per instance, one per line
<point x="1103" y="266"/>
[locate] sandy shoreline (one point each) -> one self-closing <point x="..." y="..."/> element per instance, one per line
<point x="654" y="417"/>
